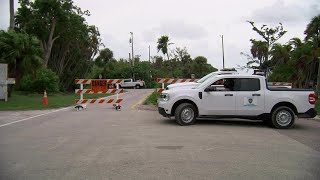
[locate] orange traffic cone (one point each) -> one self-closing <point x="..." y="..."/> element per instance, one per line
<point x="45" y="98"/>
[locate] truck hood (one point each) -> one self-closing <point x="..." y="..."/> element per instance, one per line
<point x="182" y="85"/>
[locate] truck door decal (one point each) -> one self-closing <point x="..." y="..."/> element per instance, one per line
<point x="250" y="101"/>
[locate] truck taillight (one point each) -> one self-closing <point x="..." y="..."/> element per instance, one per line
<point x="312" y="98"/>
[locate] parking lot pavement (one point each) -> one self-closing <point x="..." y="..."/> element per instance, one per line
<point x="101" y="143"/>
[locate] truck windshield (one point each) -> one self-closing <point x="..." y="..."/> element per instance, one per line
<point x="205" y="78"/>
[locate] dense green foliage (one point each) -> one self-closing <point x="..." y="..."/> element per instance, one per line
<point x="44" y="79"/>
<point x="51" y="39"/>
<point x="181" y="65"/>
<point x="296" y="61"/>
<point x="59" y="29"/>
<point x="21" y="52"/>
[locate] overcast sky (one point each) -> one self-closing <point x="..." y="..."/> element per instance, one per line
<point x="194" y="24"/>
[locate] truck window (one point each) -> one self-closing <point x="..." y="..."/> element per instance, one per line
<point x="247" y="84"/>
<point x="127" y="80"/>
<point x="224" y="84"/>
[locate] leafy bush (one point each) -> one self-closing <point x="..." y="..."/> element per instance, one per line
<point x="26" y="83"/>
<point x="152" y="99"/>
<point x="45" y="79"/>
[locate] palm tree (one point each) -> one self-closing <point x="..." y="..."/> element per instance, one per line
<point x="22" y="52"/>
<point x="313" y="28"/>
<point x="280" y="54"/>
<point x="163" y="45"/>
<point x="313" y="32"/>
<point x="259" y="50"/>
<point x="303" y="59"/>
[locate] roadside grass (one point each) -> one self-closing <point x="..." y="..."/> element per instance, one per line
<point x="22" y="101"/>
<point x="152" y="99"/>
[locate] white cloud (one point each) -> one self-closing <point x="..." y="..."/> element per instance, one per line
<point x="282" y="11"/>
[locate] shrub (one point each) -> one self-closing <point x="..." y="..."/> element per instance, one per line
<point x="45" y="79"/>
<point x="26" y="83"/>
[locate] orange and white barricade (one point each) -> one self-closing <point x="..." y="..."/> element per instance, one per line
<point x="98" y="86"/>
<point x="171" y="81"/>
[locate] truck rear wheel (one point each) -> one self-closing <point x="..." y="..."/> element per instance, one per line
<point x="185" y="114"/>
<point x="283" y="117"/>
<point x="137" y="86"/>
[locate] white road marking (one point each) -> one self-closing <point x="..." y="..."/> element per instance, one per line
<point x="3" y="125"/>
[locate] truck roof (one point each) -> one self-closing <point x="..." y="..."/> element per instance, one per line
<point x="238" y="76"/>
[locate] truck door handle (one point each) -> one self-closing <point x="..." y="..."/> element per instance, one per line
<point x="228" y="95"/>
<point x="256" y="94"/>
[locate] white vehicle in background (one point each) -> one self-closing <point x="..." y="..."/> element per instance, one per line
<point x="129" y="83"/>
<point x="193" y="84"/>
<point x="238" y="96"/>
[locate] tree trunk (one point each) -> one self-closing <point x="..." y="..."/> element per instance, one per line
<point x="18" y="72"/>
<point x="11" y="14"/>
<point x="47" y="46"/>
<point x="318" y="81"/>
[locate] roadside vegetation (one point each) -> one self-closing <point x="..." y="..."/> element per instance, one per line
<point x="152" y="99"/>
<point x="22" y="101"/>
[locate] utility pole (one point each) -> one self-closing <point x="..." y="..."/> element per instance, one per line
<point x="149" y="54"/>
<point x="11" y="14"/>
<point x="222" y="51"/>
<point x="132" y="55"/>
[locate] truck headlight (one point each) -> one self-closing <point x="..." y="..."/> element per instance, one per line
<point x="164" y="97"/>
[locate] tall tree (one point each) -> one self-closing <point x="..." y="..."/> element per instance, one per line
<point x="269" y="36"/>
<point x="46" y="14"/>
<point x="104" y="57"/>
<point x="163" y="45"/>
<point x="68" y="42"/>
<point x="21" y="52"/>
<point x="313" y="32"/>
<point x="259" y="50"/>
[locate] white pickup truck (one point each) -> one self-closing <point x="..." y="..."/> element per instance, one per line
<point x="129" y="83"/>
<point x="238" y="96"/>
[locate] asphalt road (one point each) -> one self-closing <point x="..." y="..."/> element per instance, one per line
<point x="101" y="143"/>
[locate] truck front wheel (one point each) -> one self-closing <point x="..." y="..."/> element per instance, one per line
<point x="185" y="114"/>
<point x="137" y="86"/>
<point x="283" y="117"/>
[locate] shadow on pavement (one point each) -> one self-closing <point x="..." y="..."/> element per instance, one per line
<point x="219" y="122"/>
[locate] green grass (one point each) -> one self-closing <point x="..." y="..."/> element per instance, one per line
<point x="152" y="99"/>
<point x="23" y="101"/>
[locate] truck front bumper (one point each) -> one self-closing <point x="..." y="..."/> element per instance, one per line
<point x="163" y="112"/>
<point x="311" y="113"/>
<point x="164" y="108"/>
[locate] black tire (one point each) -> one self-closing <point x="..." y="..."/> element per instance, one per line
<point x="283" y="117"/>
<point x="137" y="86"/>
<point x="180" y="119"/>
